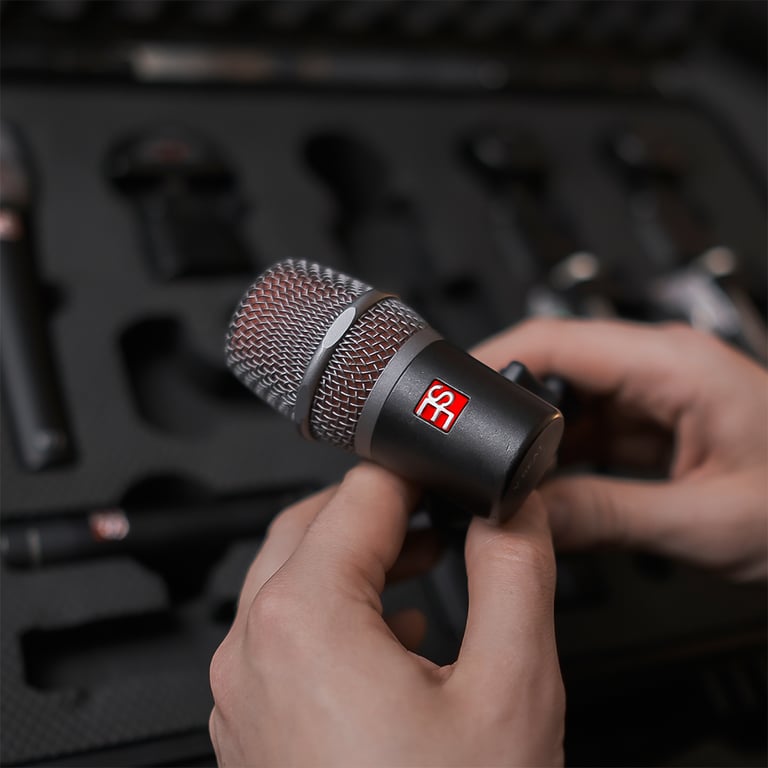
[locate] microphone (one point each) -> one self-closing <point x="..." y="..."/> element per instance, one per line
<point x="357" y="368"/>
<point x="26" y="363"/>
<point x="147" y="531"/>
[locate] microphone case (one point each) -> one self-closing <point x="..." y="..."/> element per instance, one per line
<point x="474" y="157"/>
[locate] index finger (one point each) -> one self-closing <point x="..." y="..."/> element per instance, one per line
<point x="652" y="367"/>
<point x="356" y="538"/>
<point x="283" y="536"/>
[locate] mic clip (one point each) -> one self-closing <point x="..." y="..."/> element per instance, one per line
<point x="551" y="389"/>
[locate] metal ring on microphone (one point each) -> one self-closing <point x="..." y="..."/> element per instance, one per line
<point x="383" y="386"/>
<point x="334" y="334"/>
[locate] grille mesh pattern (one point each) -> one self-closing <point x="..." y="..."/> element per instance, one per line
<point x="355" y="365"/>
<point x="282" y="320"/>
<point x="279" y="324"/>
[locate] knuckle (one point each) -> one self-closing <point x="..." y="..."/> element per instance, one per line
<point x="283" y="523"/>
<point x="265" y="609"/>
<point x="219" y="671"/>
<point x="535" y="556"/>
<point x="271" y="618"/>
<point x="611" y="525"/>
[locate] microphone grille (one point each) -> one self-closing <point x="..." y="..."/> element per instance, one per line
<point x="282" y="320"/>
<point x="354" y="367"/>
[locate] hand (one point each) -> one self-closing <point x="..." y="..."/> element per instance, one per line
<point x="712" y="509"/>
<point x="311" y="675"/>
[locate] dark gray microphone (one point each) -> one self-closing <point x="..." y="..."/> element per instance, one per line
<point x="357" y="368"/>
<point x="27" y="371"/>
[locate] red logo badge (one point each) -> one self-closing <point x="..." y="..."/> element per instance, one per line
<point x="440" y="405"/>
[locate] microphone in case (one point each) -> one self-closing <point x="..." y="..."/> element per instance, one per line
<point x="28" y="374"/>
<point x="359" y="369"/>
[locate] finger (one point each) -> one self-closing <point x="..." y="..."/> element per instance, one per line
<point x="588" y="511"/>
<point x="616" y="444"/>
<point x="355" y="539"/>
<point x="511" y="582"/>
<point x="653" y="368"/>
<point x="685" y="520"/>
<point x="283" y="537"/>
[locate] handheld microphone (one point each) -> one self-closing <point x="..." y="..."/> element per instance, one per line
<point x="359" y="369"/>
<point x="26" y="362"/>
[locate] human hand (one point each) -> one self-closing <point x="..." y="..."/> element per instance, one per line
<point x="713" y="508"/>
<point x="311" y="675"/>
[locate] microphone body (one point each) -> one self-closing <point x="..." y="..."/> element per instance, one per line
<point x="485" y="455"/>
<point x="28" y="372"/>
<point x="357" y="368"/>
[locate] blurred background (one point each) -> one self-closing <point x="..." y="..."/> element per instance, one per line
<point x="489" y="160"/>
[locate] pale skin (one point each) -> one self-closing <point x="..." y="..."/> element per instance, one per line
<point x="311" y="674"/>
<point x="712" y="509"/>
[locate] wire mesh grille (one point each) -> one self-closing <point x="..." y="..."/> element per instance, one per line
<point x="279" y="324"/>
<point x="354" y="367"/>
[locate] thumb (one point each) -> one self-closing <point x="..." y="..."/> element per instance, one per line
<point x="511" y="582"/>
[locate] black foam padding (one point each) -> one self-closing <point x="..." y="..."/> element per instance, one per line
<point x="142" y="373"/>
<point x="90" y="248"/>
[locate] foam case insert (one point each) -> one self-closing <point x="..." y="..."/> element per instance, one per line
<point x="115" y="652"/>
